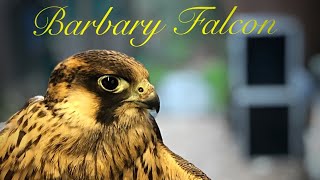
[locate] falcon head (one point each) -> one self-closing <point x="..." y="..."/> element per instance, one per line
<point x="97" y="86"/>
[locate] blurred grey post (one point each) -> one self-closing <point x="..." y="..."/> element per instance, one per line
<point x="270" y="89"/>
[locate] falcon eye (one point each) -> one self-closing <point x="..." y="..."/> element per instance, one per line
<point x="108" y="83"/>
<point x="112" y="84"/>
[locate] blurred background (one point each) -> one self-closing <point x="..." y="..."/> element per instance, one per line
<point x="242" y="107"/>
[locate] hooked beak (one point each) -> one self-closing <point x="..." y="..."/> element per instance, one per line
<point x="145" y="96"/>
<point x="152" y="102"/>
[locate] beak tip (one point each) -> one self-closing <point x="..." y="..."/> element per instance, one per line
<point x="153" y="103"/>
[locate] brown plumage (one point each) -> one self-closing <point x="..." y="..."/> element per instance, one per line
<point x="93" y="123"/>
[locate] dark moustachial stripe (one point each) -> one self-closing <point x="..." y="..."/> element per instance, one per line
<point x="108" y="101"/>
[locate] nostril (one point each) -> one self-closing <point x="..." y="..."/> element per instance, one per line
<point x="140" y="89"/>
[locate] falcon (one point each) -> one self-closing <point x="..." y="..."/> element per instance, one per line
<point x="94" y="122"/>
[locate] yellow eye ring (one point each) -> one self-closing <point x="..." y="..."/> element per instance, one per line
<point x="112" y="83"/>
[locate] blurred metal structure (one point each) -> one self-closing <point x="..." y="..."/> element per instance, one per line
<point x="269" y="87"/>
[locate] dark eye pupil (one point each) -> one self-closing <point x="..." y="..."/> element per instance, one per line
<point x="110" y="83"/>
